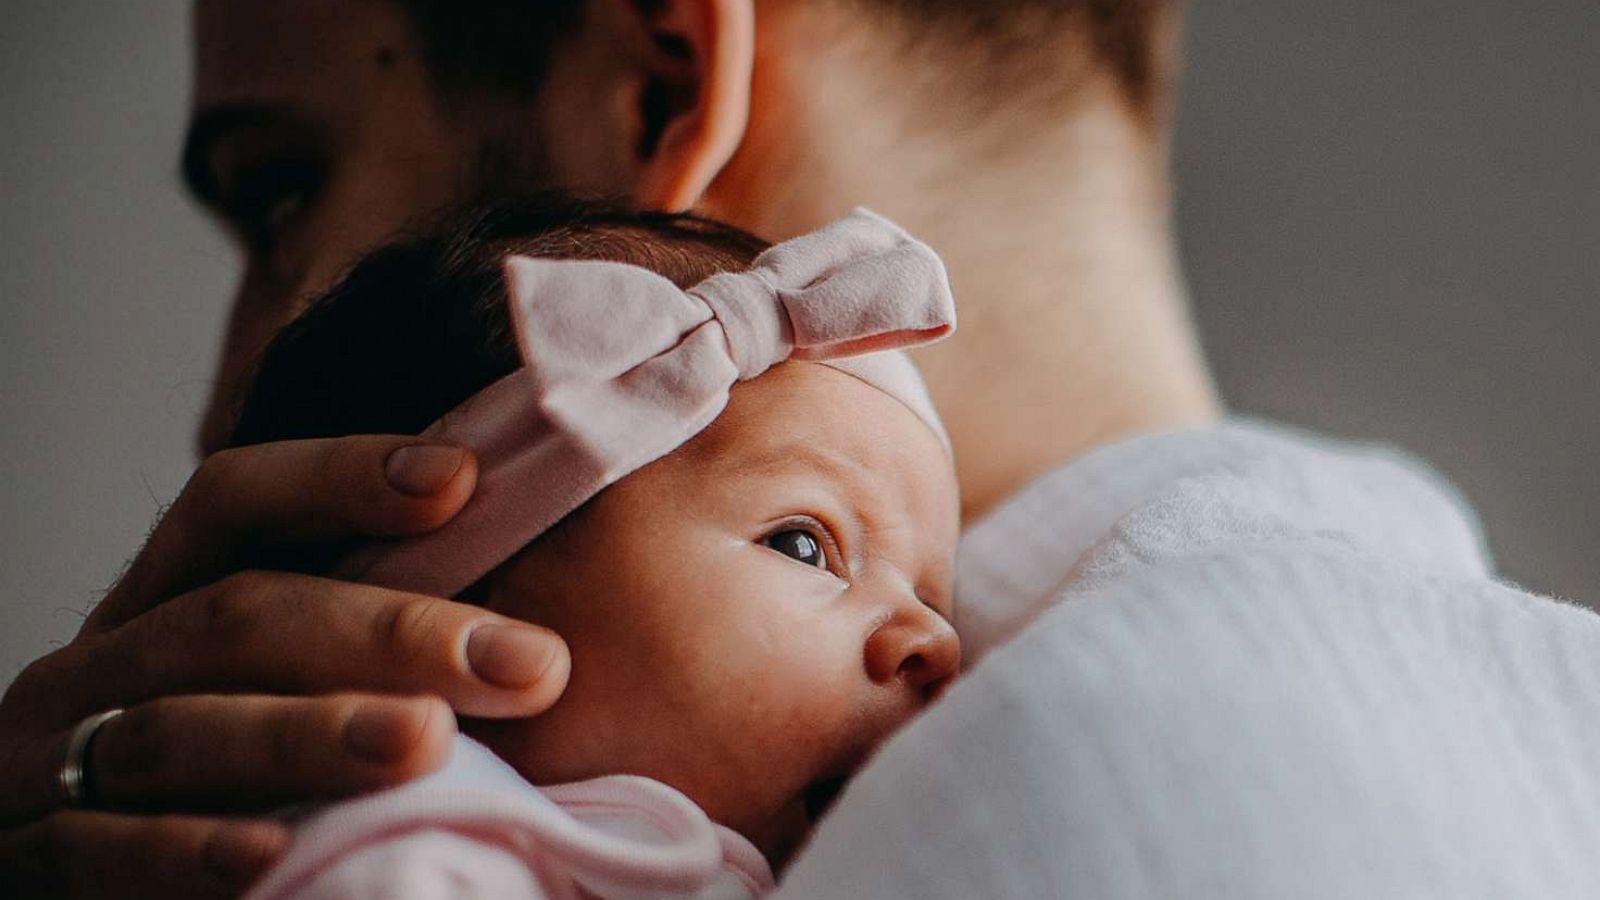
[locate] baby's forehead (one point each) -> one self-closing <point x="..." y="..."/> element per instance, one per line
<point x="809" y="419"/>
<point x="808" y="406"/>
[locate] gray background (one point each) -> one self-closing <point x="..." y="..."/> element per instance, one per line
<point x="1389" y="213"/>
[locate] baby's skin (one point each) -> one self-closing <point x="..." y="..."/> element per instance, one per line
<point x="752" y="614"/>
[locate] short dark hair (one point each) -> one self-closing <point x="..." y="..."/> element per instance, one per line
<point x="504" y="46"/>
<point x="419" y="326"/>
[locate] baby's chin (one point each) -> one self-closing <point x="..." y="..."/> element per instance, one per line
<point x="781" y="836"/>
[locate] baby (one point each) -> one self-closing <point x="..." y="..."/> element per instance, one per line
<point x="708" y="469"/>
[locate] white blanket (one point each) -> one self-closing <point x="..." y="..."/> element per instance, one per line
<point x="1255" y="665"/>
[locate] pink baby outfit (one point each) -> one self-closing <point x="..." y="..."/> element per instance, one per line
<point x="477" y="829"/>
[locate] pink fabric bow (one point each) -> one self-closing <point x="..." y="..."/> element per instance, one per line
<point x="623" y="367"/>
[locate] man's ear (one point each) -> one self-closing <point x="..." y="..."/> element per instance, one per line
<point x="693" y="97"/>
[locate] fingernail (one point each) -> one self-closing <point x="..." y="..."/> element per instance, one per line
<point x="510" y="657"/>
<point x="422" y="470"/>
<point x="240" y="851"/>
<point x="385" y="732"/>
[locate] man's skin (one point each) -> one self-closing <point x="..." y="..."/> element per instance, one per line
<point x="318" y="134"/>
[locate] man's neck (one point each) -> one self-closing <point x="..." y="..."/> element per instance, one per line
<point x="1074" y="328"/>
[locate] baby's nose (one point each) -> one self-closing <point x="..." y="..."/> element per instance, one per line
<point x="917" y="647"/>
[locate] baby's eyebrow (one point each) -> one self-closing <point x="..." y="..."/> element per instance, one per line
<point x="793" y="454"/>
<point x="866" y="498"/>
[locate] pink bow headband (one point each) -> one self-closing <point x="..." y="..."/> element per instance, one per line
<point x="622" y="367"/>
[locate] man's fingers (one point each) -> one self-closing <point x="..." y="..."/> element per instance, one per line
<point x="255" y="752"/>
<point x="275" y="632"/>
<point x="87" y="854"/>
<point x="195" y="753"/>
<point x="285" y="494"/>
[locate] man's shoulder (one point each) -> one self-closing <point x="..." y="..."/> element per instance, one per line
<point x="1219" y="489"/>
<point x="1239" y="662"/>
<point x="1303" y="718"/>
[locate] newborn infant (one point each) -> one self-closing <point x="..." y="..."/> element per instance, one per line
<point x="709" y="470"/>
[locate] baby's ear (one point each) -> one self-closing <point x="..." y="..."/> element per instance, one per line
<point x="693" y="95"/>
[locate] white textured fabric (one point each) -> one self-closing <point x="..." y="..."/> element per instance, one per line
<point x="1255" y="664"/>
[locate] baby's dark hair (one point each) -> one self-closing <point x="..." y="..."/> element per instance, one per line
<point x="419" y="326"/>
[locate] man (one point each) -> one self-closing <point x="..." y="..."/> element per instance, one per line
<point x="1026" y="140"/>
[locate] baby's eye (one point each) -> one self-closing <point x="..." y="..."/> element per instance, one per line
<point x="799" y="545"/>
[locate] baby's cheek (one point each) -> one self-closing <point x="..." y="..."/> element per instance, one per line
<point x="804" y="706"/>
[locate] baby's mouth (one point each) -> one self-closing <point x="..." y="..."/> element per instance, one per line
<point x="820" y="795"/>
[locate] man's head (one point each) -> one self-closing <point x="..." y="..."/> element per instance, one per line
<point x="320" y="129"/>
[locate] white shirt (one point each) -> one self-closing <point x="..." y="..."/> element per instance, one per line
<point x="1251" y="664"/>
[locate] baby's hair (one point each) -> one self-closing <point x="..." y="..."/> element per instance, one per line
<point x="419" y="326"/>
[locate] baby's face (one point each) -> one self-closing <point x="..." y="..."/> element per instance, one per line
<point x="750" y="615"/>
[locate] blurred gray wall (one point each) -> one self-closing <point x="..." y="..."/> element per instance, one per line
<point x="1389" y="213"/>
<point x="111" y="301"/>
<point x="1391" y="218"/>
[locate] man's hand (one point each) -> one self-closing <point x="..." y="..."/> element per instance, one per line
<point x="248" y="689"/>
